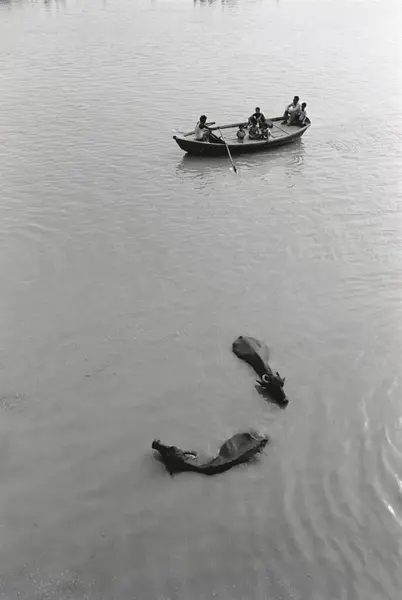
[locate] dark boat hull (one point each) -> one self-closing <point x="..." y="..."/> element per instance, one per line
<point x="197" y="148"/>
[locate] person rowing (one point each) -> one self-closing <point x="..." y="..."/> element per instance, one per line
<point x="203" y="133"/>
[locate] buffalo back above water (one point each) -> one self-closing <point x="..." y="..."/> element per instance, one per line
<point x="240" y="448"/>
<point x="256" y="354"/>
<point x="253" y="352"/>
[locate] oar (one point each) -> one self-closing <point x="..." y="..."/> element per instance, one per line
<point x="227" y="148"/>
<point x="182" y="132"/>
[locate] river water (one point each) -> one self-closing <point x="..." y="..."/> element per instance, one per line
<point x="127" y="270"/>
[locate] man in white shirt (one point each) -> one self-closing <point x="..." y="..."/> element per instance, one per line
<point x="292" y="111"/>
<point x="203" y="133"/>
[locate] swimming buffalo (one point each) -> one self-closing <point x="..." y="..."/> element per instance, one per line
<point x="240" y="448"/>
<point x="256" y="354"/>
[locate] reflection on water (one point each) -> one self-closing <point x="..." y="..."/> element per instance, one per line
<point x="252" y="168"/>
<point x="256" y="166"/>
<point x="199" y="166"/>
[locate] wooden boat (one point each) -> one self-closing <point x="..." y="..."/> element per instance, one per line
<point x="281" y="134"/>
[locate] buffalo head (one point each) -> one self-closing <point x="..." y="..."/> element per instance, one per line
<point x="273" y="383"/>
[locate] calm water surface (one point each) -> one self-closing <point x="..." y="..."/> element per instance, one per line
<point x="127" y="269"/>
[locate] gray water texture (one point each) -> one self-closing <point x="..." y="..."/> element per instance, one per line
<point x="127" y="270"/>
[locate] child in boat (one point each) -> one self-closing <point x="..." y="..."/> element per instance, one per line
<point x="253" y="132"/>
<point x="269" y="130"/>
<point x="241" y="134"/>
<point x="303" y="119"/>
<point x="263" y="131"/>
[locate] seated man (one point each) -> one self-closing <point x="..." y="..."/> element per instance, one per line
<point x="258" y="116"/>
<point x="292" y="111"/>
<point x="203" y="133"/>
